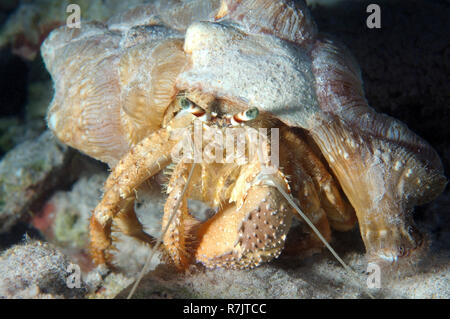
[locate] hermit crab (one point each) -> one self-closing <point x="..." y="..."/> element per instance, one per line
<point x="137" y="92"/>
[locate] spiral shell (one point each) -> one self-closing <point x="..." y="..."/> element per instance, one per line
<point x="102" y="97"/>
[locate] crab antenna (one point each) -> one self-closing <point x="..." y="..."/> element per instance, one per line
<point x="159" y="241"/>
<point x="316" y="231"/>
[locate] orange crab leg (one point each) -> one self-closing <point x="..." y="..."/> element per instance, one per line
<point x="178" y="238"/>
<point x="143" y="161"/>
<point x="315" y="186"/>
<point x="128" y="223"/>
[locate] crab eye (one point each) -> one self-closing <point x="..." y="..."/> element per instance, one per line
<point x="189" y="106"/>
<point x="252" y="114"/>
<point x="245" y="116"/>
<point x="185" y="103"/>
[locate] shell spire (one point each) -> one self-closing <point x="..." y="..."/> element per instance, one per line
<point x="288" y="20"/>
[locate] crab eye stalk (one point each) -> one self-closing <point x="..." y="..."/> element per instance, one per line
<point x="194" y="109"/>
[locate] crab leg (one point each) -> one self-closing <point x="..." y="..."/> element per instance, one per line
<point x="244" y="233"/>
<point x="303" y="241"/>
<point x="142" y="162"/>
<point x="178" y="238"/>
<point x="315" y="186"/>
<point x="128" y="223"/>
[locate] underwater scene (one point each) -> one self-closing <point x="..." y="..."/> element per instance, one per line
<point x="224" y="149"/>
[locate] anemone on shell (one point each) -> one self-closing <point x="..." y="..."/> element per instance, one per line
<point x="115" y="82"/>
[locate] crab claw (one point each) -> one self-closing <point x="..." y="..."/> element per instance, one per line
<point x="247" y="231"/>
<point x="245" y="235"/>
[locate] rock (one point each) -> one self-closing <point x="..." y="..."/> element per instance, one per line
<point x="9" y="130"/>
<point x="38" y="270"/>
<point x="64" y="220"/>
<point x="39" y="97"/>
<point x="13" y="83"/>
<point x="14" y="130"/>
<point x="24" y="100"/>
<point x="29" y="172"/>
<point x="8" y="5"/>
<point x="106" y="285"/>
<point x="70" y="227"/>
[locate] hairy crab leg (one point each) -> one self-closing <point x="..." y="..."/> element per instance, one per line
<point x="316" y="185"/>
<point x="179" y="235"/>
<point x="245" y="237"/>
<point x="304" y="241"/>
<point x="250" y="230"/>
<point x="128" y="223"/>
<point x="164" y="232"/>
<point x="143" y="161"/>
